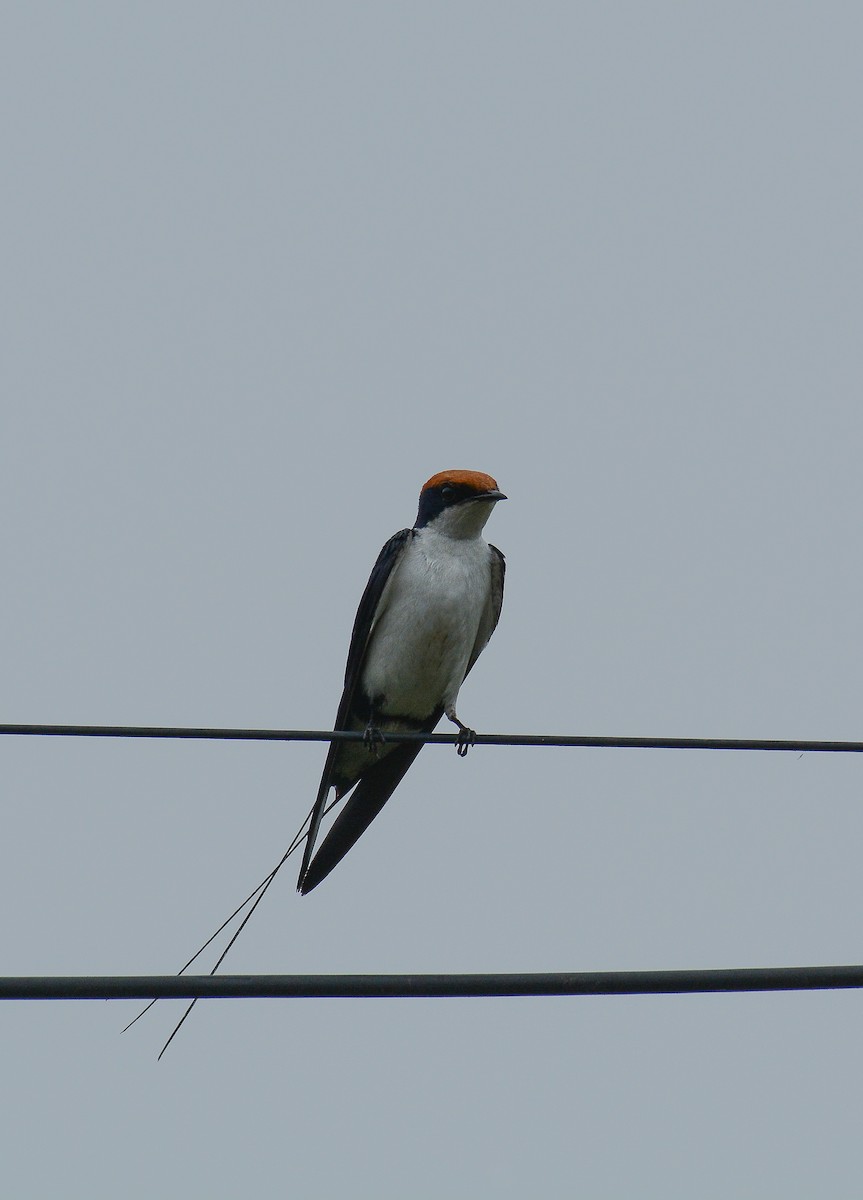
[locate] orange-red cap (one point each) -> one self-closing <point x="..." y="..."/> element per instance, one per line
<point x="475" y="480"/>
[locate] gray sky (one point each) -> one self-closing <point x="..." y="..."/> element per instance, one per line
<point x="267" y="268"/>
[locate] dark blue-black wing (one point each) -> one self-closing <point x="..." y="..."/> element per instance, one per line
<point x="369" y="609"/>
<point x="491" y="615"/>
<point x="376" y="785"/>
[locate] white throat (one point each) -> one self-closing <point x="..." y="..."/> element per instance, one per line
<point x="465" y="520"/>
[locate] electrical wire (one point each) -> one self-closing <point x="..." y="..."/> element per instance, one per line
<point x="435" y="739"/>
<point x="560" y="983"/>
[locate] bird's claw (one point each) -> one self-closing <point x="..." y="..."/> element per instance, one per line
<point x="372" y="739"/>
<point x="464" y="740"/>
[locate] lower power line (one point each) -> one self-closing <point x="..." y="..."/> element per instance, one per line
<point x="559" y="983"/>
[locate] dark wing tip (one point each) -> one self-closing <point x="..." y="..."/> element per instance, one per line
<point x="305" y="885"/>
<point x="377" y="784"/>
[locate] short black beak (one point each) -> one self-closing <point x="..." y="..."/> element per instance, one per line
<point x="494" y="494"/>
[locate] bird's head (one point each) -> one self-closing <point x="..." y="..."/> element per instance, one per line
<point x="458" y="503"/>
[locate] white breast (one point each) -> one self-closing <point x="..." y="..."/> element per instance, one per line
<point x="430" y="616"/>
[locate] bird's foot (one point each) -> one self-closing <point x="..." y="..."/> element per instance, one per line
<point x="373" y="738"/>
<point x="466" y="738"/>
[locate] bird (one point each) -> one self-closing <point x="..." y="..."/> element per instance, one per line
<point x="431" y="604"/>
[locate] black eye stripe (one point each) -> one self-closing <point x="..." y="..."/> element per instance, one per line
<point x="444" y="495"/>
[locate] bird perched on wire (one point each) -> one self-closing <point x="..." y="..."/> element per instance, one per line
<point x="430" y="606"/>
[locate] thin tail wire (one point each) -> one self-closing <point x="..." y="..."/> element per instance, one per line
<point x="254" y="898"/>
<point x="261" y="893"/>
<point x="210" y="939"/>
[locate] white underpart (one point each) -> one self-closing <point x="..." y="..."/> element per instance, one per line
<point x="430" y="615"/>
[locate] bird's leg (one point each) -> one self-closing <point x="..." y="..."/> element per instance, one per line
<point x="373" y="737"/>
<point x="466" y="736"/>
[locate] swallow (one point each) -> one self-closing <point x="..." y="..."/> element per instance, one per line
<point x="431" y="604"/>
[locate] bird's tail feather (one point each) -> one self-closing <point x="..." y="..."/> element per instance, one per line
<point x="360" y="809"/>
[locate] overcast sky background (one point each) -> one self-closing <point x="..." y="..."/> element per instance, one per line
<point x="265" y="269"/>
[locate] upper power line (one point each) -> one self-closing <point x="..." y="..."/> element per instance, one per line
<point x="436" y="739"/>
